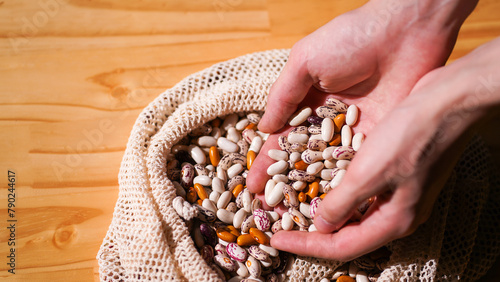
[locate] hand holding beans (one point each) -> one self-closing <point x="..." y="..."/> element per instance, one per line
<point x="378" y="77"/>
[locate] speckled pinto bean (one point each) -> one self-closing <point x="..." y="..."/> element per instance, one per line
<point x="300" y="175"/>
<point x="236" y="252"/>
<point x="261" y="220"/>
<point x="326" y="112"/>
<point x="310" y="156"/>
<point x="225" y="263"/>
<point x="284" y="144"/>
<point x="290" y="196"/>
<point x="337" y="105"/>
<point x="314" y="206"/>
<point x="258" y="253"/>
<point x="343" y="153"/>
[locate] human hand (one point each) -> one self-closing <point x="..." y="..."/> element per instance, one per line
<point x="405" y="161"/>
<point x="374" y="70"/>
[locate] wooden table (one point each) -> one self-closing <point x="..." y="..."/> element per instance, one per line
<point x="76" y="74"/>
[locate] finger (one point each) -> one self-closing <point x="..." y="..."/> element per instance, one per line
<point x="286" y="93"/>
<point x="351" y="241"/>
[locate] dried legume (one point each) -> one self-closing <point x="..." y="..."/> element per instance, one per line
<point x="229" y="226"/>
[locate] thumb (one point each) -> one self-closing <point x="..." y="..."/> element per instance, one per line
<point x="286" y="93"/>
<point x="364" y="178"/>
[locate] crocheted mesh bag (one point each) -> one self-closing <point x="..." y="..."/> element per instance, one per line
<point x="147" y="240"/>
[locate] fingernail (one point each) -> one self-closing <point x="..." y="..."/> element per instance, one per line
<point x="322" y="225"/>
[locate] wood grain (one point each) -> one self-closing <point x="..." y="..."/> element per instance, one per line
<point x="74" y="76"/>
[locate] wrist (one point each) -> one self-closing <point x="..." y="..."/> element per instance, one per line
<point x="427" y="19"/>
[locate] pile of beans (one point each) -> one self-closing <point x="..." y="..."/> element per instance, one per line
<point x="228" y="225"/>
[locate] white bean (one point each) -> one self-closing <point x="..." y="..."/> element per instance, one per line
<point x="295" y="157"/>
<point x="352" y="115"/>
<point x="238" y="218"/>
<point x="210" y="168"/>
<point x="262" y="135"/>
<point x="247" y="199"/>
<point x="208" y="204"/>
<point x="286" y="221"/>
<point x="338" y="178"/>
<point x="300" y="116"/>
<point x="327" y="153"/>
<point x="273" y="216"/>
<point x="316" y="137"/>
<point x="234" y="170"/>
<point x="330" y="163"/>
<point x="240" y="125"/>
<point x="298" y="138"/>
<point x="224" y="200"/>
<point x="197" y="154"/>
<point x="179" y="189"/>
<point x="299" y="185"/>
<point x="203" y="180"/>
<point x="242" y="271"/>
<point x="277" y="168"/>
<point x="270" y="250"/>
<point x="343" y="164"/>
<point x="233" y="135"/>
<point x="305" y="209"/>
<point x="277" y="155"/>
<point x="281" y="178"/>
<point x="256" y="144"/>
<point x="274" y="193"/>
<point x="225" y="216"/>
<point x="214" y="196"/>
<point x="357" y="140"/>
<point x="207" y="141"/>
<point x="346" y="134"/>
<point x="227" y="145"/>
<point x="327" y="129"/>
<point x="326" y="174"/>
<point x="221" y="174"/>
<point x="315" y="168"/>
<point x="218" y="185"/>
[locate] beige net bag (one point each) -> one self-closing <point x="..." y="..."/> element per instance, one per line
<point x="147" y="240"/>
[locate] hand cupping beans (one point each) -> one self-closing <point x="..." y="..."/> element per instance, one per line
<point x="228" y="225"/>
